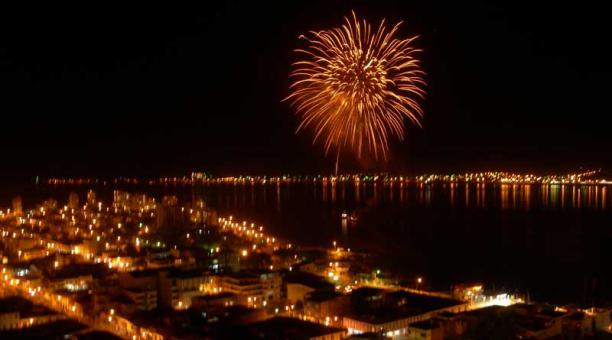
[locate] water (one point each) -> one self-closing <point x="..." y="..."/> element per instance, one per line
<point x="551" y="241"/>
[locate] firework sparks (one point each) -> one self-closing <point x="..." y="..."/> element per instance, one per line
<point x="355" y="86"/>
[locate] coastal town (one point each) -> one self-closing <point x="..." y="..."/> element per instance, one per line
<point x="144" y="267"/>
<point x="306" y="170"/>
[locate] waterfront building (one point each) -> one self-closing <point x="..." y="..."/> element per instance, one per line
<point x="254" y="288"/>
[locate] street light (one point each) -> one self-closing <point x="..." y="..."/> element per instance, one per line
<point x="419" y="281"/>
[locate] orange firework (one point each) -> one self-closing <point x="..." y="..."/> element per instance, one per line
<point x="355" y="86"/>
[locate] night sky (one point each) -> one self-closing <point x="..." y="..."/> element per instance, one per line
<point x="104" y="91"/>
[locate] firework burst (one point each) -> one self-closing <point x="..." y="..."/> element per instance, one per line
<point x="354" y="87"/>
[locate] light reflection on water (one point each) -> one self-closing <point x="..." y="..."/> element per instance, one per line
<point x="454" y="195"/>
<point x="526" y="235"/>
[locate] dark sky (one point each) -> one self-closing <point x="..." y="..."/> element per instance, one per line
<point x="157" y="90"/>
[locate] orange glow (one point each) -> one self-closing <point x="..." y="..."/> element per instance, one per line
<point x="356" y="85"/>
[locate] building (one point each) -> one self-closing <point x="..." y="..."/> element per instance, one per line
<point x="17" y="313"/>
<point x="376" y="310"/>
<point x="326" y="306"/>
<point x="445" y="325"/>
<point x="17" y="206"/>
<point x="74" y="282"/>
<point x="59" y="329"/>
<point x="474" y="318"/>
<point x="254" y="289"/>
<point x="120" y="198"/>
<point x="214" y="301"/>
<point x="73" y="200"/>
<point x="291" y="328"/>
<point x="74" y="277"/>
<point x="178" y="287"/>
<point x="170" y="201"/>
<point x="296" y="292"/>
<point x="425" y="330"/>
<point x="130" y="330"/>
<point x="18" y="245"/>
<point x="34" y="253"/>
<point x="520" y="321"/>
<point x="198" y="177"/>
<point x="538" y="327"/>
<point x="140" y="288"/>
<point x="9" y="319"/>
<point x="49" y="205"/>
<point x="601" y="318"/>
<point x="536" y="321"/>
<point x="225" y="260"/>
<point x="169" y="214"/>
<point x="300" y="284"/>
<point x="91" y="198"/>
<point x="25" y="248"/>
<point x="142" y="298"/>
<point x="140" y="279"/>
<point x="579" y="322"/>
<point x="126" y="201"/>
<point x="576" y="325"/>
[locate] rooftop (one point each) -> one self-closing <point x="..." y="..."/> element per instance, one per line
<point x="76" y="270"/>
<point x="144" y="273"/>
<point x="251" y="274"/>
<point x="290" y="328"/>
<point x="210" y="297"/>
<point x="309" y="280"/>
<point x="367" y="291"/>
<point x="140" y="289"/>
<point x="420" y="301"/>
<point x="425" y="324"/>
<point x="483" y="311"/>
<point x="552" y="313"/>
<point x="53" y="330"/>
<point x="535" y="323"/>
<point x="24" y="307"/>
<point x="185" y="274"/>
<point x="241" y="275"/>
<point x="322" y="295"/>
<point x="408" y="304"/>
